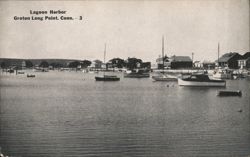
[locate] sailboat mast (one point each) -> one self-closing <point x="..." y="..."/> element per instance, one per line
<point x="163" y="53"/>
<point x="104" y="57"/>
<point x="218" y="53"/>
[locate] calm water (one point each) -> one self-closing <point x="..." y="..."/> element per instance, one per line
<point x="69" y="114"/>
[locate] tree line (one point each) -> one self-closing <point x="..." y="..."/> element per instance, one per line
<point x="130" y="63"/>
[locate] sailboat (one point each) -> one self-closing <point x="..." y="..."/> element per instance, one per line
<point x="164" y="77"/>
<point x="106" y="77"/>
<point x="221" y="73"/>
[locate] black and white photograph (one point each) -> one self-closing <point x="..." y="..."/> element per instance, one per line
<point x="129" y="78"/>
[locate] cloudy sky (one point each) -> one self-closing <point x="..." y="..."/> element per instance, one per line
<point x="130" y="29"/>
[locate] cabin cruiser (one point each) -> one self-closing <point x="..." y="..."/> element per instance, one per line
<point x="222" y="74"/>
<point x="201" y="80"/>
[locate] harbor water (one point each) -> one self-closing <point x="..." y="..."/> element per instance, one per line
<point x="69" y="114"/>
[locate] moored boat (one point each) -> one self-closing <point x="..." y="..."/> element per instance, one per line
<point x="20" y="72"/>
<point x="229" y="93"/>
<point x="201" y="80"/>
<point x="31" y="75"/>
<point x="137" y="74"/>
<point x="107" y="78"/>
<point x="164" y="77"/>
<point x="222" y="74"/>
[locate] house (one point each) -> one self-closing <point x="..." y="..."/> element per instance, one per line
<point x="198" y="64"/>
<point x="204" y="64"/>
<point x="229" y="60"/>
<point x="96" y="64"/>
<point x="244" y="62"/>
<point x="160" y="64"/>
<point x="146" y="65"/>
<point x="246" y="55"/>
<point x="208" y="64"/>
<point x="180" y="62"/>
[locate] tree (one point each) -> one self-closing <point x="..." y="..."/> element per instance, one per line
<point x="86" y="63"/>
<point x="44" y="64"/>
<point x="74" y="64"/>
<point x="117" y="62"/>
<point x="28" y="64"/>
<point x="3" y="65"/>
<point x="56" y="65"/>
<point x="133" y="63"/>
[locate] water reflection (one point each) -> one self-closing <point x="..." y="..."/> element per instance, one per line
<point x="69" y="114"/>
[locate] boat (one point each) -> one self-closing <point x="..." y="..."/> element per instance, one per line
<point x="138" y="73"/>
<point x="222" y="74"/>
<point x="162" y="76"/>
<point x="106" y="77"/>
<point x="201" y="80"/>
<point x="40" y="70"/>
<point x="229" y="93"/>
<point x="20" y="72"/>
<point x="31" y="75"/>
<point x="10" y="70"/>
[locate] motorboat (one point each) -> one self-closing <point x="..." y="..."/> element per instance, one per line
<point x="201" y="80"/>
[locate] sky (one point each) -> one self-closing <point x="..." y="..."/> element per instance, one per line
<point x="129" y="29"/>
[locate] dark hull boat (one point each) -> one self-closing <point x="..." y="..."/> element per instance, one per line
<point x="162" y="76"/>
<point x="229" y="93"/>
<point x="107" y="78"/>
<point x="137" y="75"/>
<point x="201" y="80"/>
<point x="31" y="75"/>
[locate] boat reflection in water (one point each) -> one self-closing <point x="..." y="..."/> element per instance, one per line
<point x="201" y="80"/>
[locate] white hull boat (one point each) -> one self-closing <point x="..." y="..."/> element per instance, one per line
<point x="164" y="78"/>
<point x="219" y="75"/>
<point x="201" y="80"/>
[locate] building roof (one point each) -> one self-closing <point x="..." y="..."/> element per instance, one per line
<point x="181" y="58"/>
<point x="244" y="59"/>
<point x="227" y="56"/>
<point x="246" y="55"/>
<point x="97" y="61"/>
<point x="160" y="59"/>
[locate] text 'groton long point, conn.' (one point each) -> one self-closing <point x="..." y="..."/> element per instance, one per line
<point x="40" y="15"/>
